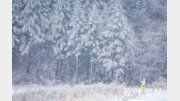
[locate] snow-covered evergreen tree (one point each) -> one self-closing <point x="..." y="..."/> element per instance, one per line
<point x="149" y="22"/>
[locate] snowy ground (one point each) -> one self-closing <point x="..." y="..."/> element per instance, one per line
<point x="154" y="97"/>
<point x="96" y="92"/>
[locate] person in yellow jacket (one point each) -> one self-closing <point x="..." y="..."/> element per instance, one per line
<point x="143" y="83"/>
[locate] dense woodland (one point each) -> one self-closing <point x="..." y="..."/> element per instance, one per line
<point x="89" y="41"/>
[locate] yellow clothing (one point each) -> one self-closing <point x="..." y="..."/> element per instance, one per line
<point x="143" y="87"/>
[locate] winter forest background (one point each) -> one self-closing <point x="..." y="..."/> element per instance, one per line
<point x="89" y="41"/>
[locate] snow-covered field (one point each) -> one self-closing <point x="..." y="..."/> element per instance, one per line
<point x="154" y="97"/>
<point x="96" y="92"/>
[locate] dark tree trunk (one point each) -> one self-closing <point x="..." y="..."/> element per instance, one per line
<point x="77" y="68"/>
<point x="112" y="74"/>
<point x="104" y="75"/>
<point x="90" y="68"/>
<point x="88" y="75"/>
<point x="59" y="64"/>
<point x="28" y="64"/>
<point x="57" y="68"/>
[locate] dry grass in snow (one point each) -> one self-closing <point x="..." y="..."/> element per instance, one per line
<point x="96" y="92"/>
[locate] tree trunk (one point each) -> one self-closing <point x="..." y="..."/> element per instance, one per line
<point x="104" y="75"/>
<point x="28" y="64"/>
<point x="139" y="74"/>
<point x="112" y="74"/>
<point x="62" y="61"/>
<point x="129" y="78"/>
<point x="59" y="64"/>
<point x="77" y="69"/>
<point x="57" y="68"/>
<point x="90" y="68"/>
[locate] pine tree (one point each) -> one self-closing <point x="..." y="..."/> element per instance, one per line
<point x="116" y="40"/>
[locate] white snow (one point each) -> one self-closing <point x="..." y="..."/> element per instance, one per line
<point x="95" y="92"/>
<point x="154" y="97"/>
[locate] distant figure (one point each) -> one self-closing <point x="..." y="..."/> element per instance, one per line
<point x="143" y="83"/>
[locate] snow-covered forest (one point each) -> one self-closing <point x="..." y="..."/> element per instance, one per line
<point x="87" y="42"/>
